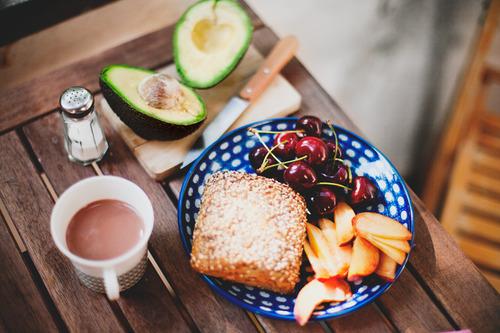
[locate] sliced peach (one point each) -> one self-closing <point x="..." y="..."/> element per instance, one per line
<point x="344" y="255"/>
<point x="380" y="225"/>
<point x="320" y="247"/>
<point x="341" y="254"/>
<point x="397" y="255"/>
<point x="399" y="244"/>
<point x="343" y="215"/>
<point x="346" y="252"/>
<point x="329" y="230"/>
<point x="319" y="270"/>
<point x="386" y="268"/>
<point x="364" y="260"/>
<point x="316" y="292"/>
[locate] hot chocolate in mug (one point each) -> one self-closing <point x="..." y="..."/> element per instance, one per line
<point x="119" y="273"/>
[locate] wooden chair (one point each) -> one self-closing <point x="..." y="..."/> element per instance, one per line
<point x="472" y="207"/>
<point x="460" y="121"/>
<point x="470" y="149"/>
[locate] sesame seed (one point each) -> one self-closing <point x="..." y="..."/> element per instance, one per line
<point x="250" y="229"/>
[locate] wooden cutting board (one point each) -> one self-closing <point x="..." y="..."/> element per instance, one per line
<point x="162" y="158"/>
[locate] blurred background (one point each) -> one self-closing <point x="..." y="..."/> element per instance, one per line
<point x="419" y="78"/>
<point x="393" y="65"/>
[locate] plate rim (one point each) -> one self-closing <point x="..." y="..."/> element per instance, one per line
<point x="255" y="309"/>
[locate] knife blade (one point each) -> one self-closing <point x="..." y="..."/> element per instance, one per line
<point x="280" y="55"/>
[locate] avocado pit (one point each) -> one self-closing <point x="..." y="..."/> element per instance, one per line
<point x="154" y="105"/>
<point x="161" y="91"/>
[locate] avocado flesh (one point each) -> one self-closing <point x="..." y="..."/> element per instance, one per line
<point x="119" y="84"/>
<point x="209" y="41"/>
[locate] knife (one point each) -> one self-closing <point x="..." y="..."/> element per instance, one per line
<point x="280" y="55"/>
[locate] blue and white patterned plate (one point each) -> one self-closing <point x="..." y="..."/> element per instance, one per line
<point x="231" y="151"/>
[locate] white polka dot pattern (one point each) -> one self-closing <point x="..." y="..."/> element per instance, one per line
<point x="231" y="153"/>
<point x="237" y="149"/>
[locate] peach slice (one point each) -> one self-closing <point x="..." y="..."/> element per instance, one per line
<point x="401" y="245"/>
<point x="395" y="243"/>
<point x="386" y="268"/>
<point x="316" y="292"/>
<point x="343" y="215"/>
<point x="365" y="258"/>
<point x="321" y="248"/>
<point x="345" y="251"/>
<point x="320" y="271"/>
<point x="397" y="255"/>
<point x="380" y="225"/>
<point x="341" y="254"/>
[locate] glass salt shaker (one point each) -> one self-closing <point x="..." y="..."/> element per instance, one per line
<point x="83" y="136"/>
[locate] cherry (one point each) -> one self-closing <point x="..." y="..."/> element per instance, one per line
<point x="363" y="191"/>
<point x="285" y="143"/>
<point x="275" y="173"/>
<point x="323" y="201"/>
<point x="310" y="125"/>
<point x="334" y="172"/>
<point x="331" y="149"/>
<point x="314" y="148"/>
<point x="257" y="156"/>
<point x="300" y="175"/>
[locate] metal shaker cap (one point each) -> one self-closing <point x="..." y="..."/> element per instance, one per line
<point x="76" y="102"/>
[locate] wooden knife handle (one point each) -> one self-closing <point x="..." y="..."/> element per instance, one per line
<point x="280" y="55"/>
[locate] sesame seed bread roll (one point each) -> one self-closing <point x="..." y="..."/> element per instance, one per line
<point x="250" y="229"/>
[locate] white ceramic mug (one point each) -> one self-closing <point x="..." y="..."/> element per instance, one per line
<point x="112" y="275"/>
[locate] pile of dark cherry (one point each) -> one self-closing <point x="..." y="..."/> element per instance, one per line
<point x="312" y="166"/>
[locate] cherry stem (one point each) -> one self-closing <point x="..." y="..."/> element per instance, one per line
<point x="340" y="160"/>
<point x="349" y="173"/>
<point x="285" y="162"/>
<point x="336" y="140"/>
<point x="254" y="131"/>
<point x="335" y="184"/>
<point x="265" y="161"/>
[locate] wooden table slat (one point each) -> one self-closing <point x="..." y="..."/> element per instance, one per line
<point x="148" y="306"/>
<point x="441" y="287"/>
<point x="21" y="103"/>
<point x="281" y="326"/>
<point x="406" y="299"/>
<point x="29" y="204"/>
<point x="23" y="308"/>
<point x="454" y="281"/>
<point x="256" y="20"/>
<point x="175" y="184"/>
<point x="315" y="100"/>
<point x="368" y="318"/>
<point x="208" y="311"/>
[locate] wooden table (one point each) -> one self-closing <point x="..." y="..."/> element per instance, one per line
<point x="439" y="290"/>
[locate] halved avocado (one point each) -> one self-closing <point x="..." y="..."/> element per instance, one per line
<point x="209" y="40"/>
<point x="119" y="85"/>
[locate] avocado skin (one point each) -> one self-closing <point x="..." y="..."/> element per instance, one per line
<point x="146" y="127"/>
<point x="225" y="71"/>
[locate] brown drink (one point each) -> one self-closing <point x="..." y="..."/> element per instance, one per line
<point x="104" y="229"/>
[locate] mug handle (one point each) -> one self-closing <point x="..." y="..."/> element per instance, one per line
<point x="111" y="284"/>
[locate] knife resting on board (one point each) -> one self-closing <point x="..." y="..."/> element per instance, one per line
<point x="280" y="55"/>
